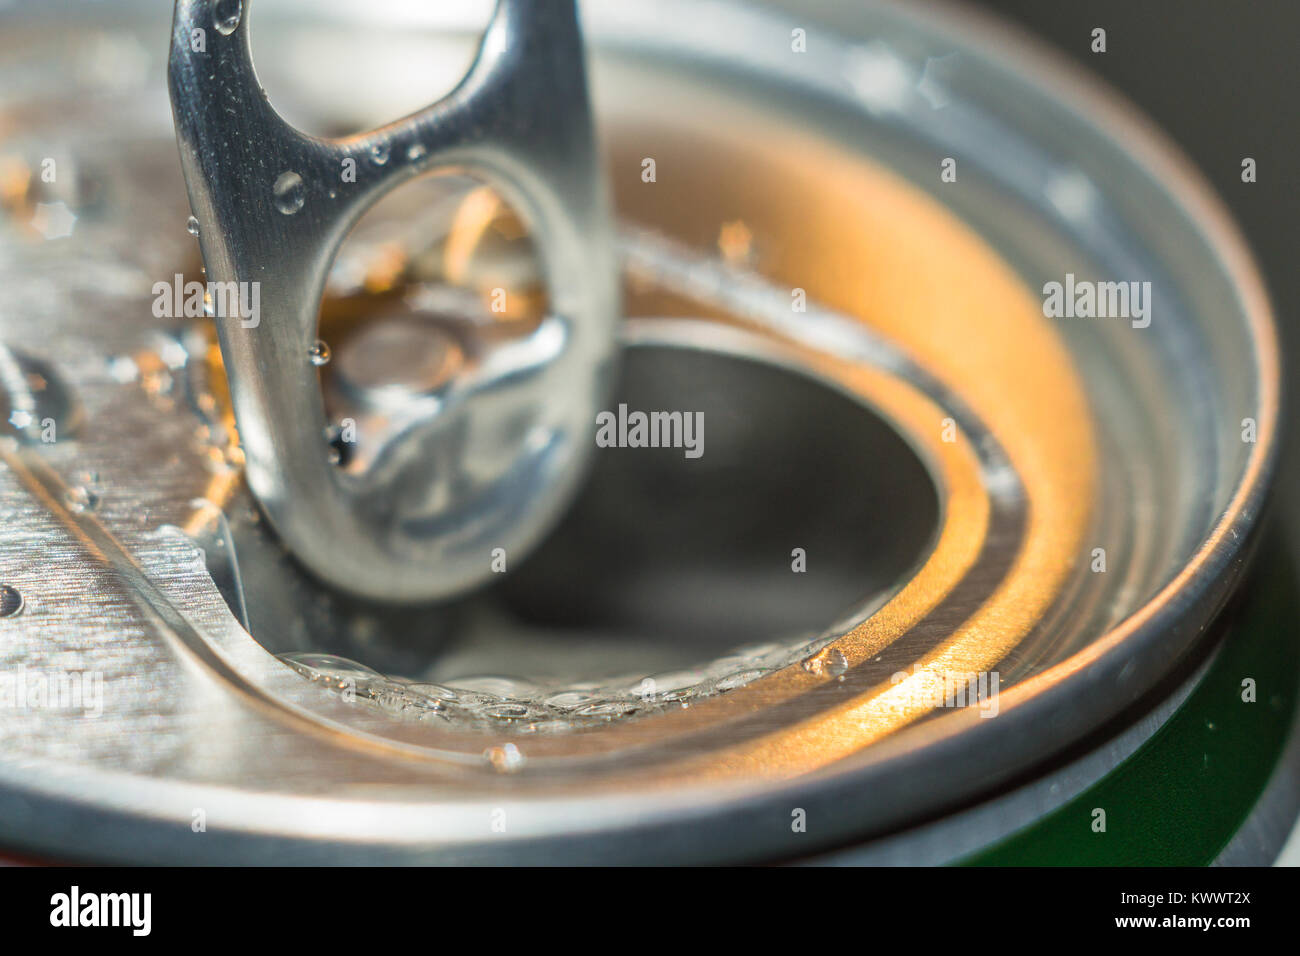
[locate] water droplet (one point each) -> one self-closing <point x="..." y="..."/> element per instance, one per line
<point x="11" y="602"/>
<point x="227" y="14"/>
<point x="192" y="226"/>
<point x="379" y="153"/>
<point x="506" y="759"/>
<point x="606" y="709"/>
<point x="509" y="710"/>
<point x="320" y="353"/>
<point x="289" y="192"/>
<point x="327" y="664"/>
<point x="416" y="152"/>
<point x="828" y="662"/>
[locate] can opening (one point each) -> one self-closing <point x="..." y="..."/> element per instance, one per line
<point x="689" y="573"/>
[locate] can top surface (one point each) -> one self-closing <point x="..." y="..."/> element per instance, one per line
<point x="1050" y="495"/>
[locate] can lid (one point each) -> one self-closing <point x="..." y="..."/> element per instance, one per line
<point x="935" y="482"/>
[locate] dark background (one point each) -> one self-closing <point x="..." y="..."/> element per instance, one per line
<point x="1221" y="78"/>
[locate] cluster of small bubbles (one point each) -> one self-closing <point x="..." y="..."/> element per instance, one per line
<point x="379" y="154"/>
<point x="394" y="702"/>
<point x="344" y="676"/>
<point x="675" y="687"/>
<point x="289" y="193"/>
<point x="192" y="226"/>
<point x="527" y="707"/>
<point x="739" y="679"/>
<point x="320" y="353"/>
<point x="828" y="662"/>
<point x="226" y="15"/>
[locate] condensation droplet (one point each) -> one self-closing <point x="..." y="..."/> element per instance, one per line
<point x="379" y="153"/>
<point x="290" y="194"/>
<point x="227" y="14"/>
<point x="416" y="152"/>
<point x="320" y="353"/>
<point x="11" y="601"/>
<point x="192" y="226"/>
<point x="828" y="662"/>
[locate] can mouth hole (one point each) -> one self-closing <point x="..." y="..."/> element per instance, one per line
<point x="801" y="505"/>
<point x="688" y="574"/>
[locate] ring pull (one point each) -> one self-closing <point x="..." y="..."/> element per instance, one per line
<point x="495" y="459"/>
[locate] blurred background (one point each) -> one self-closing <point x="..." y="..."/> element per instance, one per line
<point x="1220" y="79"/>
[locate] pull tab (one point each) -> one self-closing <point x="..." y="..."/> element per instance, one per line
<point x="273" y="209"/>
